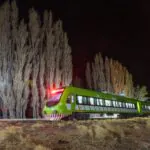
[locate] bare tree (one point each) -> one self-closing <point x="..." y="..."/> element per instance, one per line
<point x="129" y="89"/>
<point x="34" y="27"/>
<point x="98" y="72"/>
<point x="88" y="75"/>
<point x="50" y="51"/>
<point x="66" y="62"/>
<point x="35" y="94"/>
<point x="140" y="93"/>
<point x="5" y="64"/>
<point x="58" y="37"/>
<point x="102" y="80"/>
<point x="94" y="75"/>
<point x="41" y="80"/>
<point x="20" y="54"/>
<point x="108" y="75"/>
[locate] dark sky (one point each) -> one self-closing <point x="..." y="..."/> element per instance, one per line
<point x="118" y="28"/>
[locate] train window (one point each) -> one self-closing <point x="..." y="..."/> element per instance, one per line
<point x="132" y="105"/>
<point x="114" y="103"/>
<point x="95" y="101"/>
<point x="79" y="98"/>
<point x="124" y="105"/>
<point x="117" y="105"/>
<point x="101" y="102"/>
<point x="98" y="102"/>
<point x="91" y="101"/>
<point x="107" y="102"/>
<point x="127" y="105"/>
<point x="120" y="104"/>
<point x="85" y="100"/>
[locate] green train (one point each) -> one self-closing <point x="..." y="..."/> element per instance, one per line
<point x="72" y="102"/>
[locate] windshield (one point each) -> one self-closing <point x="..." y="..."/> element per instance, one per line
<point x="53" y="100"/>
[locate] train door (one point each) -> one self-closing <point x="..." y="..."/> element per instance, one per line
<point x="71" y="102"/>
<point x="139" y="108"/>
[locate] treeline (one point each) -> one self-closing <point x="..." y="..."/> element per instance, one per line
<point x="111" y="76"/>
<point x="34" y="56"/>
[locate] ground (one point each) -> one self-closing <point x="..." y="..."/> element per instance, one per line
<point x="131" y="134"/>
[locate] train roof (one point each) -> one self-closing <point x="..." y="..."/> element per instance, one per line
<point x="93" y="93"/>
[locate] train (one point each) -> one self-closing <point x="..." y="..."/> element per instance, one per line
<point x="77" y="103"/>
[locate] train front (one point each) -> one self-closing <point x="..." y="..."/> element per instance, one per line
<point x="54" y="108"/>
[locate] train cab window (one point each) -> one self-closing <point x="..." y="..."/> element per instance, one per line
<point x="69" y="99"/>
<point x="91" y="101"/>
<point x="79" y="99"/>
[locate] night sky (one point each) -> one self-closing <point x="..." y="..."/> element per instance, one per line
<point x="120" y="29"/>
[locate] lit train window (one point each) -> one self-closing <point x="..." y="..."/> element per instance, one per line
<point x="117" y="104"/>
<point x="98" y="102"/>
<point x="120" y="104"/>
<point x="114" y="103"/>
<point x="124" y="105"/>
<point x="127" y="105"/>
<point x="101" y="102"/>
<point x="91" y="101"/>
<point x="107" y="102"/>
<point x="79" y="98"/>
<point x="133" y="106"/>
<point x="84" y="100"/>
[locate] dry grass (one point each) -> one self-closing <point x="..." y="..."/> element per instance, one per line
<point x="118" y="134"/>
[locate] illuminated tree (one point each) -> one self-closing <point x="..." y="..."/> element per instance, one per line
<point x="58" y="47"/>
<point x="66" y="59"/>
<point x="39" y="54"/>
<point x="129" y="88"/>
<point x="88" y="75"/>
<point x="20" y="48"/>
<point x="34" y="28"/>
<point x="94" y="76"/>
<point x="108" y="75"/>
<point x="5" y="63"/>
<point x="98" y="73"/>
<point x="117" y="76"/>
<point x="140" y="93"/>
<point x="50" y="52"/>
